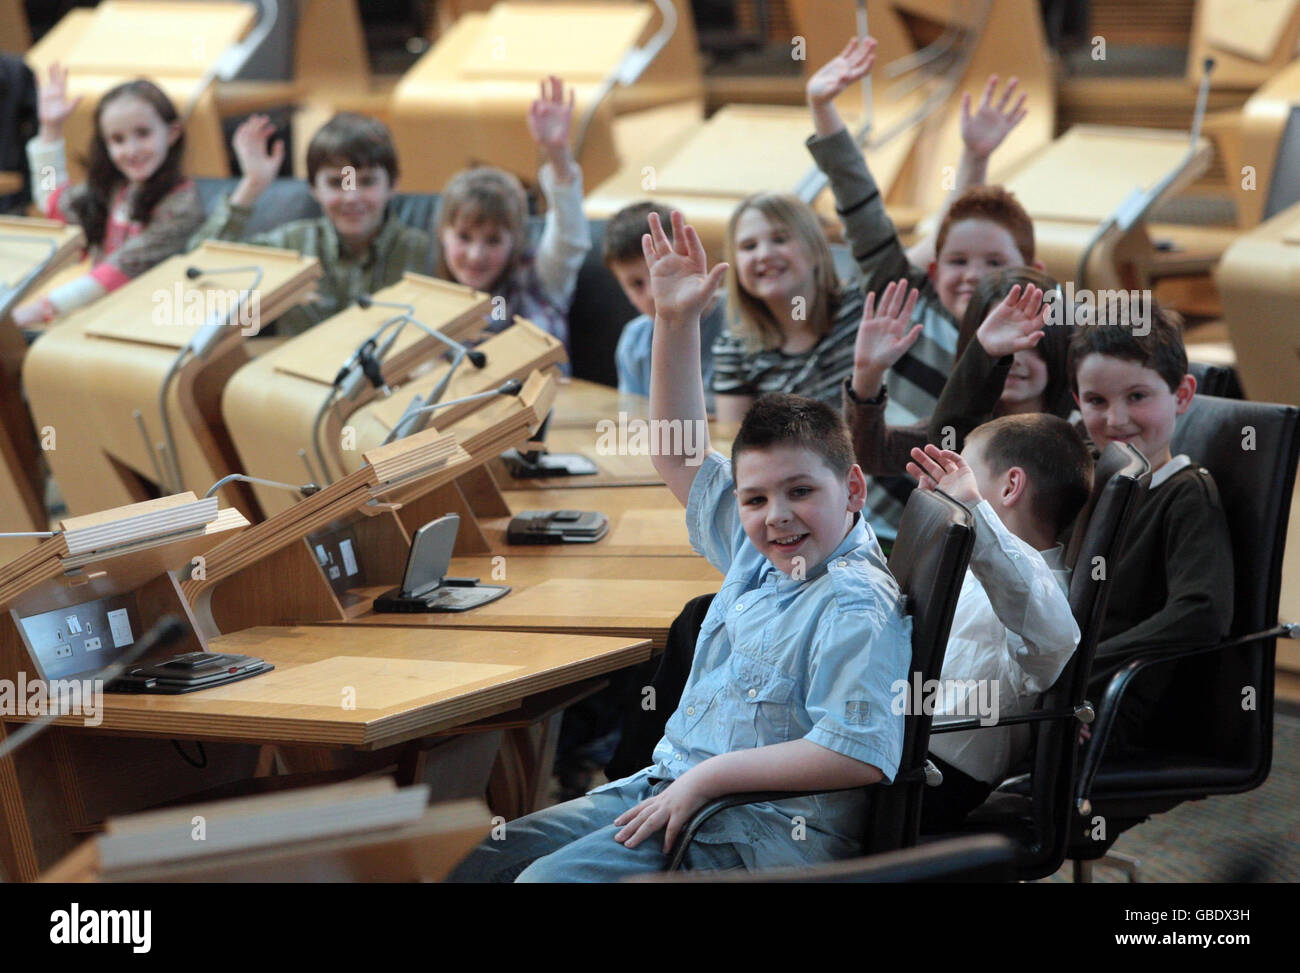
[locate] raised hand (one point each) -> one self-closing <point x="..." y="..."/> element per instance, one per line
<point x="851" y="64"/>
<point x="942" y="468"/>
<point x="53" y="106"/>
<point x="1014" y="325"/>
<point x="680" y="280"/>
<point x="883" y="336"/>
<point x="259" y="158"/>
<point x="983" y="131"/>
<point x="550" y="117"/>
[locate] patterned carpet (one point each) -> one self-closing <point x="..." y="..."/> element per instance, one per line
<point x="1252" y="837"/>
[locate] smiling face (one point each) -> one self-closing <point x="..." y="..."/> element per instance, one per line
<point x="136" y="136"/>
<point x="772" y="263"/>
<point x="1122" y="401"/>
<point x="355" y="200"/>
<point x="1026" y="381"/>
<point x="973" y="248"/>
<point x="476" y="253"/>
<point x="795" y="509"/>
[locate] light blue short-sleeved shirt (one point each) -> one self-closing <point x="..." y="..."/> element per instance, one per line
<point x="780" y="660"/>
<point x="633" y="351"/>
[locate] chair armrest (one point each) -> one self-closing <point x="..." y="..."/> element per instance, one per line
<point x="738" y="799"/>
<point x="1034" y="716"/>
<point x="1123" y="677"/>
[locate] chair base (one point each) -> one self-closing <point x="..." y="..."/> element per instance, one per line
<point x="1131" y="867"/>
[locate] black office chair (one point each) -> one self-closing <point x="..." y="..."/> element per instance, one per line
<point x="1218" y="710"/>
<point x="1218" y="380"/>
<point x="970" y="858"/>
<point x="929" y="560"/>
<point x="1035" y="810"/>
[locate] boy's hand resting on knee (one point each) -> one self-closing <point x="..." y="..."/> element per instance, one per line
<point x="942" y="468"/>
<point x="668" y="811"/>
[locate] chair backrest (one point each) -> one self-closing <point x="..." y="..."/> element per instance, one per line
<point x="1119" y="480"/>
<point x="929" y="560"/>
<point x="1220" y="380"/>
<point x="1251" y="449"/>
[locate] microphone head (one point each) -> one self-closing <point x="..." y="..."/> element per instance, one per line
<point x="512" y="387"/>
<point x="1209" y="65"/>
<point x="193" y="273"/>
<point x="478" y="359"/>
<point x="364" y="302"/>
<point x="309" y="489"/>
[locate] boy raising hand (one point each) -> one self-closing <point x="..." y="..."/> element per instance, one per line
<point x="790" y="688"/>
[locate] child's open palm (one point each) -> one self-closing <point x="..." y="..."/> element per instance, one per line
<point x="550" y="116"/>
<point x="1014" y="325"/>
<point x="259" y="158"/>
<point x="983" y="131"/>
<point x="942" y="468"/>
<point x="680" y="280"/>
<point x="883" y="335"/>
<point x="53" y="106"/>
<point x="850" y="65"/>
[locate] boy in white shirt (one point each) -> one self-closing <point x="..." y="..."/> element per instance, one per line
<point x="1025" y="477"/>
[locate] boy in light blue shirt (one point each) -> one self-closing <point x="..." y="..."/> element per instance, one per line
<point x="791" y="684"/>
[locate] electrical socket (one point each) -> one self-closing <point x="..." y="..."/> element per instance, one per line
<point x="92" y="645"/>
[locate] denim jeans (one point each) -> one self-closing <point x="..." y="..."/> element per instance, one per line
<point x="574" y="842"/>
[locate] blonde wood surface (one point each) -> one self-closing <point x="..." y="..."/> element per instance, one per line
<point x="1260" y="288"/>
<point x="624" y="596"/>
<point x="642" y="521"/>
<point x="1085" y="174"/>
<point x="1259" y="134"/>
<point x="422" y="851"/>
<point x="270" y="406"/>
<point x="423" y="461"/>
<point x="706" y="173"/>
<point x="15" y="35"/>
<point x="1250" y="42"/>
<point x="173" y="45"/>
<point x="473" y="88"/>
<point x="22" y="473"/>
<point x="330" y="47"/>
<point x="88" y="376"/>
<point x="1078" y="181"/>
<point x="404" y="685"/>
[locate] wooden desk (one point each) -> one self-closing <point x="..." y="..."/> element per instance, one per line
<point x="616" y="596"/>
<point x="642" y="521"/>
<point x="174" y="45"/>
<point x="586" y="419"/>
<point x="405" y="684"/>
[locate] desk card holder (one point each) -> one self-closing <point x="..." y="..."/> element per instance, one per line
<point x="131" y="384"/>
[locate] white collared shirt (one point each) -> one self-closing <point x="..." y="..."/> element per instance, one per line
<point x="1012" y="634"/>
